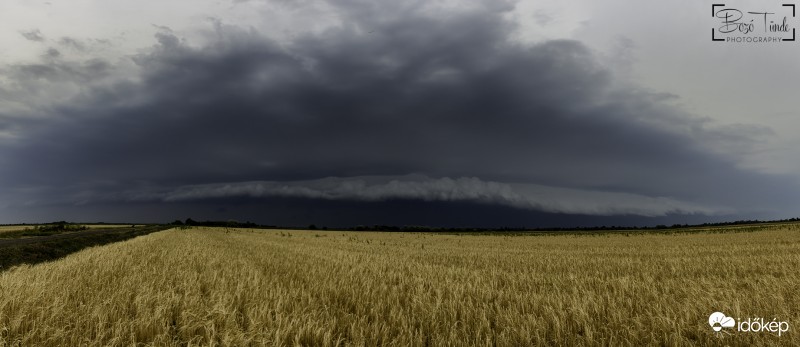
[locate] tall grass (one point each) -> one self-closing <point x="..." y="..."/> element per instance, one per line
<point x="9" y="228"/>
<point x="266" y="287"/>
<point x="16" y="228"/>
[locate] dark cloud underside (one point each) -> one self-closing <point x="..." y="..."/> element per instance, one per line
<point x="389" y="93"/>
<point x="33" y="35"/>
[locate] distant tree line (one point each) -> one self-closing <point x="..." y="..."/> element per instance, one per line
<point x="422" y="228"/>
<point x="59" y="226"/>
<point x="228" y="224"/>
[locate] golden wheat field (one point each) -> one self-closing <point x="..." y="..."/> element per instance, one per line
<point x="7" y="228"/>
<point x="206" y="286"/>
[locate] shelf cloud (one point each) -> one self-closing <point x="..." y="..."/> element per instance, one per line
<point x="463" y="189"/>
<point x="402" y="101"/>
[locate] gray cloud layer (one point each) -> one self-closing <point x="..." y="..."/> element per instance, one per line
<point x="396" y="90"/>
<point x="33" y="35"/>
<point x="465" y="189"/>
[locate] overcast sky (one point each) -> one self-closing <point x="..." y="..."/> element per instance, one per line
<point x="347" y="112"/>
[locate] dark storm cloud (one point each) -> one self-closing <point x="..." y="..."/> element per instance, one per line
<point x="542" y="18"/>
<point x="52" y="53"/>
<point x="529" y="197"/>
<point x="464" y="189"/>
<point x="72" y="43"/>
<point x="33" y="35"/>
<point x="53" y="70"/>
<point x="393" y="91"/>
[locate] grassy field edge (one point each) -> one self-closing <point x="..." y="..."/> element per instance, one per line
<point x="37" y="249"/>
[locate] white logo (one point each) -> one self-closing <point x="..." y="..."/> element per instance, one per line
<point x="719" y="320"/>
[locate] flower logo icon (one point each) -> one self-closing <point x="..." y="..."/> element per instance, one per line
<point x="719" y="320"/>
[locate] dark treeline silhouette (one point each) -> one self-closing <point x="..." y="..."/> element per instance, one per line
<point x="60" y="226"/>
<point x="422" y="228"/>
<point x="228" y="224"/>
